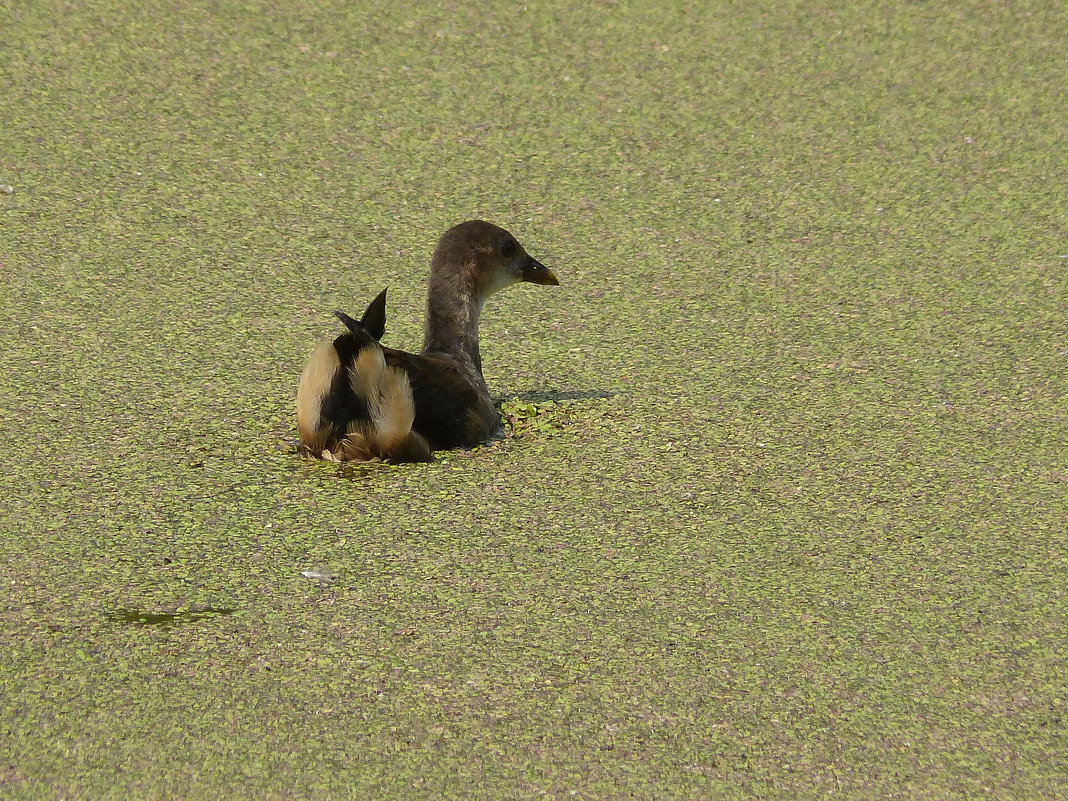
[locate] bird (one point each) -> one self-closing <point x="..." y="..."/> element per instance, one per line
<point x="361" y="401"/>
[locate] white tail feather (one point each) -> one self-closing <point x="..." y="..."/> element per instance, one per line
<point x="365" y="374"/>
<point x="315" y="382"/>
<point x="396" y="408"/>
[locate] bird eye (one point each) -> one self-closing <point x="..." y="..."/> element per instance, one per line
<point x="508" y="249"/>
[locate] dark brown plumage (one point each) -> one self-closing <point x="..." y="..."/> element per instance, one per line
<point x="360" y="401"/>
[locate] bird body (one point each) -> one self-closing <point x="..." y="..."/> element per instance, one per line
<point x="360" y="401"/>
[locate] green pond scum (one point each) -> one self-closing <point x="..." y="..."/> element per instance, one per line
<point x="165" y="620"/>
<point x="782" y="508"/>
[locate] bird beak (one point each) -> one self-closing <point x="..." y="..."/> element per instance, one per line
<point x="534" y="272"/>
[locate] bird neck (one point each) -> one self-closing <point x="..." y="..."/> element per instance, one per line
<point x="452" y="313"/>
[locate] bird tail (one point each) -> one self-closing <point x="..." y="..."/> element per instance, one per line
<point x="351" y="405"/>
<point x="373" y="321"/>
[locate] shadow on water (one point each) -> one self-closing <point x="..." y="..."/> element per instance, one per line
<point x="165" y="620"/>
<point x="553" y="395"/>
